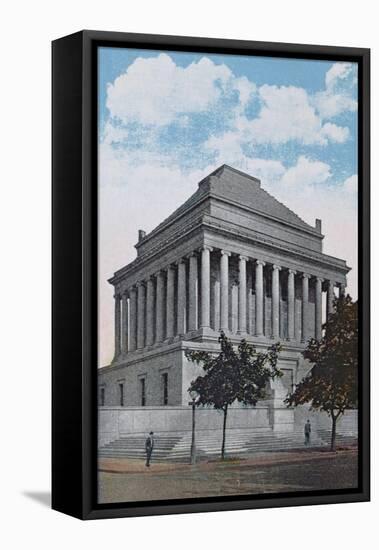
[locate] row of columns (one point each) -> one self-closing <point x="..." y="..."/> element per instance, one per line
<point x="145" y="314"/>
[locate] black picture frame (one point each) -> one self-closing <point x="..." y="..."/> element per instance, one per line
<point x="74" y="271"/>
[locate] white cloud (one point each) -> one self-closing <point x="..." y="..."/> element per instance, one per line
<point x="337" y="71"/>
<point x="339" y="134"/>
<point x="331" y="104"/>
<point x="304" y="173"/>
<point x="286" y="114"/>
<point x="245" y="89"/>
<point x="157" y="91"/>
<point x="114" y="134"/>
<point x="263" y="169"/>
<point x="350" y="185"/>
<point x="336" y="98"/>
<point x="227" y="147"/>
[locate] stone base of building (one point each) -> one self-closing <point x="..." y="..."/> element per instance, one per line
<point x="143" y="373"/>
<point x="118" y="422"/>
<point x="155" y="383"/>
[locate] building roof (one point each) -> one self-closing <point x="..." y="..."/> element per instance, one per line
<point x="233" y="185"/>
<point x="247" y="190"/>
<point x="242" y="194"/>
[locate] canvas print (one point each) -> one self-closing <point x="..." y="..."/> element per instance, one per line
<point x="227" y="275"/>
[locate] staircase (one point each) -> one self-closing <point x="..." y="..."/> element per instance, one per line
<point x="133" y="446"/>
<point x="344" y="436"/>
<point x="176" y="448"/>
<point x="239" y="442"/>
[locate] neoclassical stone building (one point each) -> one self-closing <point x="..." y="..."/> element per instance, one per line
<point x="231" y="258"/>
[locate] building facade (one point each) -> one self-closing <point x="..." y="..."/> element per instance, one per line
<point x="231" y="258"/>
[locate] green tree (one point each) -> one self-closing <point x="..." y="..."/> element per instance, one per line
<point x="332" y="383"/>
<point x="233" y="375"/>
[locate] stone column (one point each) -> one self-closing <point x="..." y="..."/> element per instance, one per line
<point x="193" y="291"/>
<point x="181" y="299"/>
<point x="216" y="305"/>
<point x="125" y="323"/>
<point x="224" y="291"/>
<point x="304" y="307"/>
<point x="330" y="298"/>
<point x="117" y="325"/>
<point x="205" y="286"/>
<point x="275" y="297"/>
<point x="291" y="305"/>
<point x="170" y="303"/>
<point x="242" y="296"/>
<point x="259" y="298"/>
<point x="141" y="315"/>
<point x="318" y="309"/>
<point x="342" y="289"/>
<point x="133" y="319"/>
<point x="150" y="299"/>
<point x="159" y="307"/>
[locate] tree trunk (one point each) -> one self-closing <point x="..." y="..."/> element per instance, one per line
<point x="333" y="437"/>
<point x="223" y="433"/>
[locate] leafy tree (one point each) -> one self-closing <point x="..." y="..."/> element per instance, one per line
<point x="233" y="375"/>
<point x="332" y="383"/>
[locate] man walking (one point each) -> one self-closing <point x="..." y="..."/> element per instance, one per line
<point x="149" y="446"/>
<point x="307" y="432"/>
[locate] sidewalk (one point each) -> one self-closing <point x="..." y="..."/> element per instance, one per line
<point x="133" y="466"/>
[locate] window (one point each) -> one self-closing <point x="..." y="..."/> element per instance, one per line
<point x="143" y="391"/>
<point x="165" y="388"/>
<point x="102" y="397"/>
<point x="121" y="389"/>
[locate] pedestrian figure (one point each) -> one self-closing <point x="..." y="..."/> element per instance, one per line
<point x="149" y="446"/>
<point x="307" y="432"/>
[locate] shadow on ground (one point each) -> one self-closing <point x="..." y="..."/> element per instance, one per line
<point x="41" y="497"/>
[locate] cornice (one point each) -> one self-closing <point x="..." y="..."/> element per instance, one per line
<point x="288" y="348"/>
<point x="307" y="230"/>
<point x="153" y="252"/>
<point x="256" y="237"/>
<point x="213" y="223"/>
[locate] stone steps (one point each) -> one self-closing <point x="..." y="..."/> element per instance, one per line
<point x="208" y="443"/>
<point x="243" y="447"/>
<point x="134" y="447"/>
<point x="343" y="436"/>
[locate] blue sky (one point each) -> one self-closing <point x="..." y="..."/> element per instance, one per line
<point x="304" y="74"/>
<point x="167" y="119"/>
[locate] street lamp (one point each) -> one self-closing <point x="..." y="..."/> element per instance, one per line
<point x="193" y="444"/>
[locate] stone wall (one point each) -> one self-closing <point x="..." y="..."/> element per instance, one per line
<point x="347" y="423"/>
<point x="151" y="369"/>
<point x="115" y="422"/>
<point x="153" y="363"/>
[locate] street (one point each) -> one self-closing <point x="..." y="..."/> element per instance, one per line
<point x="275" y="473"/>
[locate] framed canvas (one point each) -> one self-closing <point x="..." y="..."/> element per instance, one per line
<point x="210" y="274"/>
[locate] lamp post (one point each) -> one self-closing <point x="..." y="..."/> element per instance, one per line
<point x="193" y="444"/>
